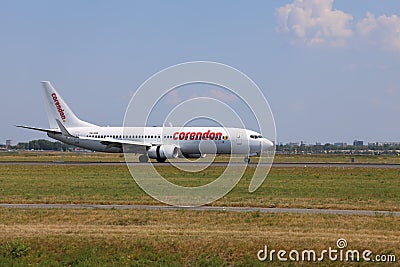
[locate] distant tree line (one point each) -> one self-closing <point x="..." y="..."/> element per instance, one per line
<point x="372" y="148"/>
<point x="42" y="144"/>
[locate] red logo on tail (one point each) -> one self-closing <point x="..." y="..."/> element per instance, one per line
<point x="58" y="106"/>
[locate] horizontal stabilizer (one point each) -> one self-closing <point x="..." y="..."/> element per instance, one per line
<point x="39" y="129"/>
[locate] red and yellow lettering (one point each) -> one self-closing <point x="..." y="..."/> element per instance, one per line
<point x="208" y="135"/>
<point x="212" y="135"/>
<point x="198" y="135"/>
<point x="58" y="106"/>
<point x="205" y="135"/>
<point x="187" y="135"/>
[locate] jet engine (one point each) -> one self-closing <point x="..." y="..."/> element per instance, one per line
<point x="163" y="152"/>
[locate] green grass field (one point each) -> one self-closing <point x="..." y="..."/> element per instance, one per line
<point x="60" y="156"/>
<point x="79" y="237"/>
<point x="336" y="188"/>
<point x="106" y="157"/>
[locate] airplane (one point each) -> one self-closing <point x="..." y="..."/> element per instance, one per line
<point x="159" y="143"/>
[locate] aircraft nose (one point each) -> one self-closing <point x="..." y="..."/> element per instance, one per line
<point x="267" y="144"/>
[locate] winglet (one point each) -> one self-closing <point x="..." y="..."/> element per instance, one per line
<point x="64" y="130"/>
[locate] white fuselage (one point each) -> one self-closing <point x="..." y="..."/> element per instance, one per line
<point x="188" y="139"/>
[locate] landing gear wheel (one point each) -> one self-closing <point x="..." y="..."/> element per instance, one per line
<point x="247" y="160"/>
<point x="159" y="160"/>
<point x="143" y="158"/>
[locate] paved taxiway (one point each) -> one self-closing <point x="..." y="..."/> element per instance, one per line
<point x="218" y="164"/>
<point x="203" y="208"/>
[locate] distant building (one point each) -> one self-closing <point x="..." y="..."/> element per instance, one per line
<point x="358" y="143"/>
<point x="8" y="143"/>
<point x="293" y="144"/>
<point x="341" y="144"/>
<point x="390" y="143"/>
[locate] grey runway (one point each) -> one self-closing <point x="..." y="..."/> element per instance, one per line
<point x="204" y="208"/>
<point x="216" y="164"/>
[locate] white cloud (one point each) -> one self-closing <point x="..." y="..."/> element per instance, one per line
<point x="223" y="96"/>
<point x="315" y="23"/>
<point x="173" y="97"/>
<point x="382" y="32"/>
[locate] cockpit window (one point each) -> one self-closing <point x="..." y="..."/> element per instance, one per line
<point x="255" y="136"/>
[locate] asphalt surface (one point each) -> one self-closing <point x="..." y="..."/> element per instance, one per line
<point x="222" y="164"/>
<point x="203" y="208"/>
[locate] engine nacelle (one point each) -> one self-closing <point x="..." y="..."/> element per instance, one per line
<point x="163" y="152"/>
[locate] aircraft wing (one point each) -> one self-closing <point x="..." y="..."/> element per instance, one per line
<point x="132" y="146"/>
<point x="127" y="145"/>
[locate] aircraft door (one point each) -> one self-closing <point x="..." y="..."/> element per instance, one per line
<point x="239" y="139"/>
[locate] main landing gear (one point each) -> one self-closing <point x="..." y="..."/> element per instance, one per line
<point x="143" y="158"/>
<point x="247" y="160"/>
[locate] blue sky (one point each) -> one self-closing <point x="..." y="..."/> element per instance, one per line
<point x="329" y="69"/>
